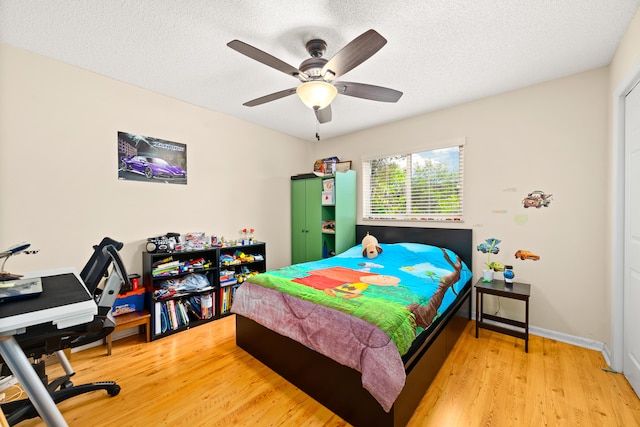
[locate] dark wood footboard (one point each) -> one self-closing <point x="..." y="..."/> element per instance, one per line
<point x="338" y="387"/>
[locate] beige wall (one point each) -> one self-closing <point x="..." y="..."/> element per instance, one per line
<point x="58" y="167"/>
<point x="628" y="52"/>
<point x="550" y="137"/>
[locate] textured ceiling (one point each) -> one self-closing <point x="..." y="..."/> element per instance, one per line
<point x="439" y="52"/>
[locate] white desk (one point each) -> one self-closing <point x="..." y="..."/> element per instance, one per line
<point x="64" y="302"/>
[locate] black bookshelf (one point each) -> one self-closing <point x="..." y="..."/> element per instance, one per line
<point x="202" y="284"/>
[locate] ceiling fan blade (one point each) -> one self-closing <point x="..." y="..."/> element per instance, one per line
<point x="353" y="54"/>
<point x="365" y="91"/>
<point x="270" y="97"/>
<point x="324" y="115"/>
<point x="266" y="59"/>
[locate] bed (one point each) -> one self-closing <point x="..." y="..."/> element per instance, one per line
<point x="340" y="381"/>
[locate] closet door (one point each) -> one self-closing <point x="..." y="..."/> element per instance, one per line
<point x="631" y="365"/>
<point x="306" y="220"/>
<point x="313" y="209"/>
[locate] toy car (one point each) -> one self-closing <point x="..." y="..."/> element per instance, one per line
<point x="537" y="199"/>
<point x="152" y="167"/>
<point x="522" y="254"/>
<point x="484" y="248"/>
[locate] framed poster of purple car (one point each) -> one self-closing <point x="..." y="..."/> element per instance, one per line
<point x="149" y="159"/>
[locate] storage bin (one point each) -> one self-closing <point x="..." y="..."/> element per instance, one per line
<point x="129" y="302"/>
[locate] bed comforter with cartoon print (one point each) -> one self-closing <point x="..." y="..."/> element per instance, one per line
<point x="362" y="313"/>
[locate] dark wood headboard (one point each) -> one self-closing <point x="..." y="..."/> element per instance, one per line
<point x="459" y="240"/>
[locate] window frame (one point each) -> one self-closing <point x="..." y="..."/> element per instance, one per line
<point x="407" y="215"/>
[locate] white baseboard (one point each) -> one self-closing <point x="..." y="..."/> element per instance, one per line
<point x="568" y="339"/>
<point x="573" y="340"/>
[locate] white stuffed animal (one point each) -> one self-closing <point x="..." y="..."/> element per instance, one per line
<point x="370" y="246"/>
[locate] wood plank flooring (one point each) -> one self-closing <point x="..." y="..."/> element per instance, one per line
<point x="200" y="378"/>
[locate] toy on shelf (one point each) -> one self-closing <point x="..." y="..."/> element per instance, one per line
<point x="247" y="236"/>
<point x="169" y="267"/>
<point x="239" y="257"/>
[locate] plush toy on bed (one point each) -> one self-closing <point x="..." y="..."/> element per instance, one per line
<point x="370" y="246"/>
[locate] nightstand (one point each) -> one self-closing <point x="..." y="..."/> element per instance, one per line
<point x="515" y="290"/>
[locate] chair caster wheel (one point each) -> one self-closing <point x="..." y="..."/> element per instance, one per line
<point x="113" y="391"/>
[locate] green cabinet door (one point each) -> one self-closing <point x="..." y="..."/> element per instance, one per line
<point x="345" y="210"/>
<point x="298" y="220"/>
<point x="306" y="232"/>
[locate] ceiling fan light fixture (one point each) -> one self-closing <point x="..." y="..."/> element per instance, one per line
<point x="316" y="94"/>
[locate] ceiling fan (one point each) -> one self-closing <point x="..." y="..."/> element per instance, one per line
<point x="317" y="74"/>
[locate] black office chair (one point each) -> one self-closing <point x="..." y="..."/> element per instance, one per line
<point x="42" y="340"/>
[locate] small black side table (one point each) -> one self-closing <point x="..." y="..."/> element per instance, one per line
<point x="518" y="291"/>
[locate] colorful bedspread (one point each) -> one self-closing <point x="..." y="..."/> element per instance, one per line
<point x="362" y="313"/>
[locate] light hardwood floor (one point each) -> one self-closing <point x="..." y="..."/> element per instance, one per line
<point x="200" y="378"/>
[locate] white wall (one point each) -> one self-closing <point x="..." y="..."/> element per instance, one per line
<point x="624" y="72"/>
<point x="550" y="137"/>
<point x="59" y="185"/>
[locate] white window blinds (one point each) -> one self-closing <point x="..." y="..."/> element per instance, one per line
<point x="423" y="186"/>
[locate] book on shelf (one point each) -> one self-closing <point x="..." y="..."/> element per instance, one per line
<point x="226" y="298"/>
<point x="173" y="317"/>
<point x="170" y="267"/>
<point x="228" y="282"/>
<point x="167" y="265"/>
<point x="181" y="311"/>
<point x="165" y="322"/>
<point x="193" y="308"/>
<point x="162" y="261"/>
<point x="157" y="311"/>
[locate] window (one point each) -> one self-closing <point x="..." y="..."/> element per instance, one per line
<point x="423" y="186"/>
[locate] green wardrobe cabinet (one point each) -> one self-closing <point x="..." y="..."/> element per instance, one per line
<point x="323" y="215"/>
<point x="306" y="219"/>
